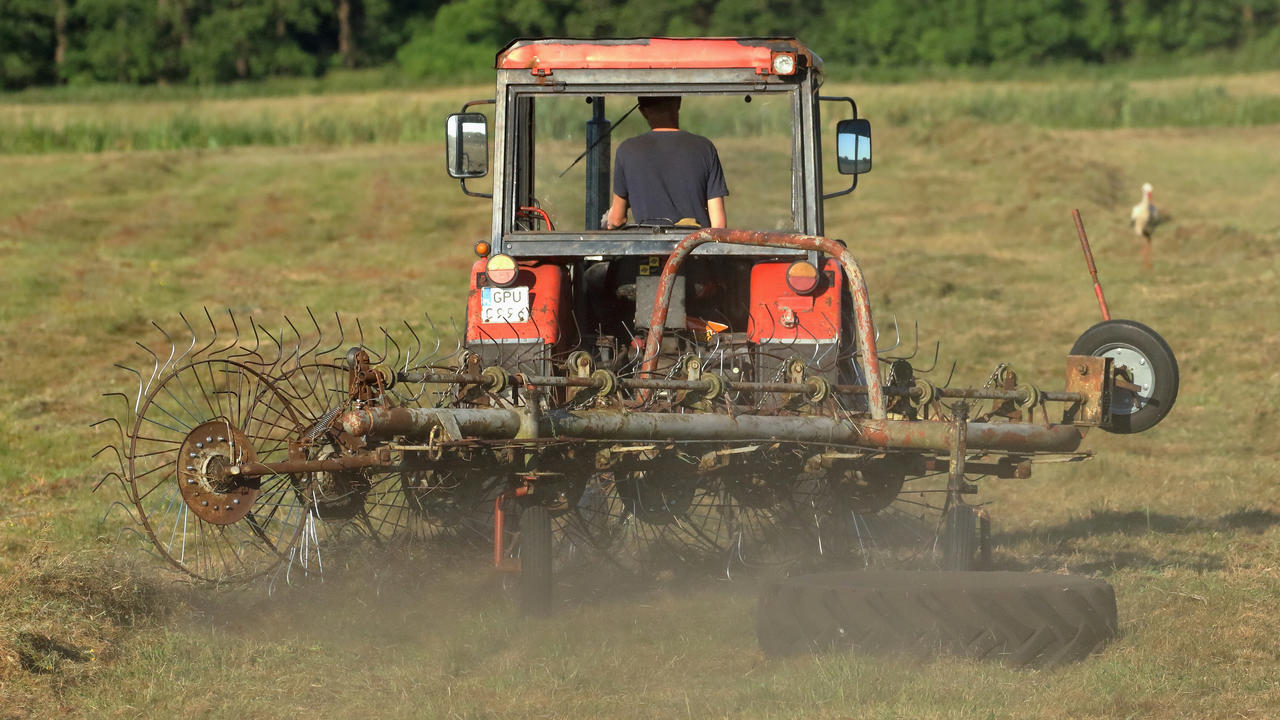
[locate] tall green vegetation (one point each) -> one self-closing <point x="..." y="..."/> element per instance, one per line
<point x="163" y="41"/>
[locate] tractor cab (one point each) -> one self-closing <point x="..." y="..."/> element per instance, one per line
<point x="551" y="277"/>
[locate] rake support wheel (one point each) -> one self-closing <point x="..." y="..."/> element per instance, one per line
<point x="194" y="424"/>
<point x="535" y="561"/>
<point x="960" y="538"/>
<point x="1147" y="361"/>
<point x="1021" y="619"/>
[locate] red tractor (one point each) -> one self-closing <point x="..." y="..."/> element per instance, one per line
<point x="653" y="393"/>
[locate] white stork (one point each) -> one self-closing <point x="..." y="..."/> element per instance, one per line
<point x="1144" y="218"/>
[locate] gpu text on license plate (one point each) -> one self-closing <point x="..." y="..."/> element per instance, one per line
<point x="503" y="305"/>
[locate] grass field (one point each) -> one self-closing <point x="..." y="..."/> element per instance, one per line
<point x="179" y="120"/>
<point x="964" y="226"/>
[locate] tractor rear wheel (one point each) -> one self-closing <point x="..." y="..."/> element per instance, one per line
<point x="535" y="561"/>
<point x="1021" y="619"/>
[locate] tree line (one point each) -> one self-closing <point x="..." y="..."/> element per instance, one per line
<point x="46" y="42"/>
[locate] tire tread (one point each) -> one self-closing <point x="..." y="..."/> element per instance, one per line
<point x="1022" y="619"/>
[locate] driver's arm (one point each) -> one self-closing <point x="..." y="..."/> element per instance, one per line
<point x="715" y="211"/>
<point x="617" y="215"/>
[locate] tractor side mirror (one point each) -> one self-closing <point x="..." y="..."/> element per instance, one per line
<point x="853" y="147"/>
<point x="467" y="145"/>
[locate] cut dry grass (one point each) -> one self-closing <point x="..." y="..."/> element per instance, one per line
<point x="64" y="616"/>
<point x="963" y="226"/>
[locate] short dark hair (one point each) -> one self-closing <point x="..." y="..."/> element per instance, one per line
<point x="661" y="103"/>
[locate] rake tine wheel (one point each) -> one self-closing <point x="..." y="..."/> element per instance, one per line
<point x="194" y="423"/>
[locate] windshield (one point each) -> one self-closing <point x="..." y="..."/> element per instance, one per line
<point x="752" y="134"/>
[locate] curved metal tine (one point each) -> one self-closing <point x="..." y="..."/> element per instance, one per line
<point x="434" y="355"/>
<point x="235" y="336"/>
<point x="137" y="403"/>
<point x="127" y="411"/>
<point x="360" y="334"/>
<point x="342" y="336"/>
<point x="268" y="368"/>
<point x="311" y="350"/>
<point x="191" y="330"/>
<point x="625" y="370"/>
<point x="108" y="446"/>
<point x="212" y="327"/>
<point x="577" y="329"/>
<point x="937" y="347"/>
<point x="813" y="359"/>
<point x="113" y="447"/>
<point x="109" y="474"/>
<point x="155" y="370"/>
<point x="822" y="350"/>
<point x="244" y="351"/>
<point x="380" y="359"/>
<point x="105" y="420"/>
<point x="393" y="345"/>
<point x="950" y="375"/>
<point x="915" y="341"/>
<point x="457" y="336"/>
<point x="257" y="343"/>
<point x="773" y="321"/>
<point x="127" y="511"/>
<point x="410" y="355"/>
<point x="297" y="345"/>
<point x="711" y="352"/>
<point x="143" y="539"/>
<point x="173" y="349"/>
<point x="532" y="350"/>
<point x="897" y="331"/>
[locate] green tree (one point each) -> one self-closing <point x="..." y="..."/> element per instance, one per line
<point x="460" y="40"/>
<point x="116" y="41"/>
<point x="764" y="17"/>
<point x="253" y="38"/>
<point x="28" y="43"/>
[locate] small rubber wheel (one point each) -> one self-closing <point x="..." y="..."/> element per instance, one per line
<point x="960" y="538"/>
<point x="1020" y="619"/>
<point x="535" y="561"/>
<point x="1150" y="364"/>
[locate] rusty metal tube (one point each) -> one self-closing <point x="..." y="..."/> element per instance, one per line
<point x="857" y="287"/>
<point x="336" y="464"/>
<point x="735" y="385"/>
<point x="418" y="422"/>
<point x="503" y="424"/>
<point x="1093" y="269"/>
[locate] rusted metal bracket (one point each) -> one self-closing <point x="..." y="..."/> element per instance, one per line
<point x="500" y="560"/>
<point x="956" y="485"/>
<point x="1091" y="377"/>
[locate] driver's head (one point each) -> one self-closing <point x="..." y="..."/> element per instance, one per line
<point x="661" y="111"/>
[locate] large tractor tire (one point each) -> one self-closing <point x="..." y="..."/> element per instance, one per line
<point x="1022" y="619"/>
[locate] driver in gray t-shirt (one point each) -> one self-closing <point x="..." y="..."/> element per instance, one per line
<point x="667" y="175"/>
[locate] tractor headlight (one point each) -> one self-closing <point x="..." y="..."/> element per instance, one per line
<point x="784" y="63"/>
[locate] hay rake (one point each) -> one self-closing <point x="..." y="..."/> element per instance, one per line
<point x="648" y="395"/>
<point x="245" y="451"/>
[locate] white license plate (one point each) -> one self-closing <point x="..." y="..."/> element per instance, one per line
<point x="504" y="305"/>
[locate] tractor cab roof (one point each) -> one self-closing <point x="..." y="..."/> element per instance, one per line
<point x="543" y="56"/>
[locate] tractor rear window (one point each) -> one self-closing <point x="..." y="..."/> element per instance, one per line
<point x="752" y="135"/>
